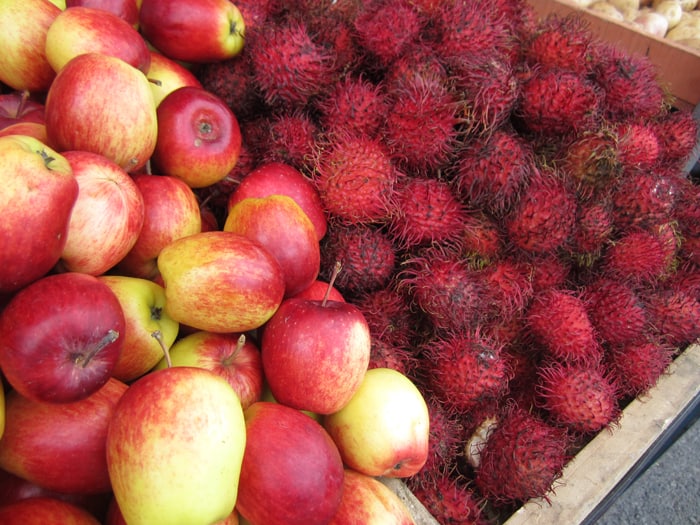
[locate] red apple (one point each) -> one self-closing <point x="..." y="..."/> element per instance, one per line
<point x="61" y="446"/>
<point x="23" y="28"/>
<point x="29" y="129"/>
<point x="101" y="104"/>
<point x="279" y="224"/>
<point x="200" y="32"/>
<point x="171" y="211"/>
<point x="107" y="217"/>
<point x="19" y="107"/>
<point x="39" y="192"/>
<point x="81" y="29"/>
<point x="166" y="75"/>
<point x="127" y="10"/>
<point x="318" y="290"/>
<point x="277" y="178"/>
<point x="292" y="473"/>
<point x="199" y="139"/>
<point x="61" y="337"/>
<point x="44" y="510"/>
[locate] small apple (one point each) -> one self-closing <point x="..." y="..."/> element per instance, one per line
<point x="127" y="10"/>
<point x="233" y="356"/>
<point x="277" y="178"/>
<point x="23" y="28"/>
<point x="171" y="211"/>
<point x="39" y="192"/>
<point x="80" y="29"/>
<point x="143" y="304"/>
<point x="43" y="510"/>
<point x="198" y="32"/>
<point x="292" y="473"/>
<point x="167" y="75"/>
<point x="61" y="337"/>
<point x="107" y="216"/>
<point x="61" y="446"/>
<point x="18" y="106"/>
<point x="383" y="430"/>
<point x="29" y="129"/>
<point x="174" y="448"/>
<point x="101" y="104"/>
<point x="199" y="139"/>
<point x="220" y="282"/>
<point x="279" y="224"/>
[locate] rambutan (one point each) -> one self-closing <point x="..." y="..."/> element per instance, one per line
<point x="560" y="42"/>
<point x="638" y="145"/>
<point x="355" y="178"/>
<point x="332" y="27"/>
<point x="593" y="229"/>
<point x="583" y="398"/>
<point x="644" y="198"/>
<point x="255" y="13"/>
<point x="675" y="315"/>
<point x="451" y="502"/>
<point x="558" y="319"/>
<point x="549" y="271"/>
<point x="639" y="256"/>
<point x="522" y="459"/>
<point x="426" y="211"/>
<point x="384" y="354"/>
<point x="482" y="238"/>
<point x="292" y="139"/>
<point x="637" y="367"/>
<point x="419" y="60"/>
<point x="508" y="286"/>
<point x="590" y="160"/>
<point x="678" y="134"/>
<point x="388" y="314"/>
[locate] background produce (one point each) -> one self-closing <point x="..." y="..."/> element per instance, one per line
<point x="499" y="204"/>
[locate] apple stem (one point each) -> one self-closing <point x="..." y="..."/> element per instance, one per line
<point x="22" y="101"/>
<point x="84" y="359"/>
<point x="239" y="346"/>
<point x="336" y="270"/>
<point x="158" y="336"/>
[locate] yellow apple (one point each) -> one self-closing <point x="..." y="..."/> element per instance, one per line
<point x="166" y="75"/>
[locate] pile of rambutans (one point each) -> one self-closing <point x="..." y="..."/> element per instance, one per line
<point x="511" y="203"/>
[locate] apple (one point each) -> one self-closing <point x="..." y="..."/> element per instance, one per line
<point x="199" y="139"/>
<point x="61" y="337"/>
<point x="107" y="216"/>
<point x="220" y="282"/>
<point x="101" y="104"/>
<point x="17" y="107"/>
<point x="61" y="446"/>
<point x="383" y="430"/>
<point x="114" y="516"/>
<point x="197" y="32"/>
<point x="233" y="356"/>
<point x="43" y="510"/>
<point x="23" y="28"/>
<point x="30" y="129"/>
<point x="318" y="290"/>
<point x="78" y="30"/>
<point x="292" y="472"/>
<point x="2" y="408"/>
<point x="127" y="10"/>
<point x="171" y="211"/>
<point x="174" y="448"/>
<point x="166" y="75"/>
<point x="279" y="224"/>
<point x="39" y="192"/>
<point x="278" y="178"/>
<point x="143" y="304"/>
<point x="368" y="501"/>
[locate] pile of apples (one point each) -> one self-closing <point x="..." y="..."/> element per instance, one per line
<point x="158" y="369"/>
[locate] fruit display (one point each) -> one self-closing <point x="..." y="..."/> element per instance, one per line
<point x="261" y="255"/>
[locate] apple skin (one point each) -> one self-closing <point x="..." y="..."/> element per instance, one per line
<point x="279" y="224"/>
<point x="61" y="337"/>
<point x="23" y="28"/>
<point x="39" y="192"/>
<point x="127" y="10"/>
<point x="143" y="304"/>
<point x="83" y="113"/>
<point x="196" y="32"/>
<point x="233" y="356"/>
<point x="292" y="473"/>
<point x="368" y="501"/>
<point x="18" y="107"/>
<point x="220" y="282"/>
<point x="199" y="138"/>
<point x="277" y="178"/>
<point x="31" y="129"/>
<point x="315" y="354"/>
<point x="107" y="216"/>
<point x="61" y="446"/>
<point x="175" y="446"/>
<point x="317" y="291"/>
<point x="43" y="510"/>
<point x="167" y="75"/>
<point x="383" y="430"/>
<point x="80" y="29"/>
<point x="171" y="211"/>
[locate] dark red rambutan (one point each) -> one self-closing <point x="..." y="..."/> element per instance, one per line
<point x="522" y="459"/>
<point x="464" y="370"/>
<point x="543" y="218"/>
<point x="506" y="331"/>
<point x="292" y="137"/>
<point x="508" y="287"/>
<point x="388" y="314"/>
<point x="451" y="501"/>
<point x="426" y="211"/>
<point x="644" y="198"/>
<point x="255" y="13"/>
<point x="557" y="102"/>
<point x="675" y="315"/>
<point x="589" y="159"/>
<point x="560" y="42"/>
<point x="366" y="254"/>
<point x="558" y="320"/>
<point x="592" y="230"/>
<point x="384" y="354"/>
<point x="616" y="311"/>
<point x="637" y="367"/>
<point x="289" y="67"/>
<point x="523" y="366"/>
<point x="420" y="130"/>
<point x="355" y="178"/>
<point x="482" y="238"/>
<point x="549" y="271"/>
<point x="638" y="145"/>
<point x="491" y="171"/>
<point x="419" y="60"/>
<point x="686" y="214"/>
<point x="678" y="134"/>
<point x="332" y="27"/>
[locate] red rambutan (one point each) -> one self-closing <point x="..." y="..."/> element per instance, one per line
<point x="590" y="160"/>
<point x="388" y="315"/>
<point x="451" y="502"/>
<point x="637" y="367"/>
<point x="638" y="145"/>
<point x="419" y="60"/>
<point x="508" y="286"/>
<point x="560" y="42"/>
<point x="675" y="315"/>
<point x="384" y="354"/>
<point x="639" y="256"/>
<point x="678" y="134"/>
<point x="592" y="230"/>
<point x="482" y="238"/>
<point x="292" y="137"/>
<point x="549" y="271"/>
<point x="644" y="198"/>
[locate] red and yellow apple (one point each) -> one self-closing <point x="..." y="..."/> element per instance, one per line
<point x="128" y="10"/>
<point x="166" y="75"/>
<point x="43" y="510"/>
